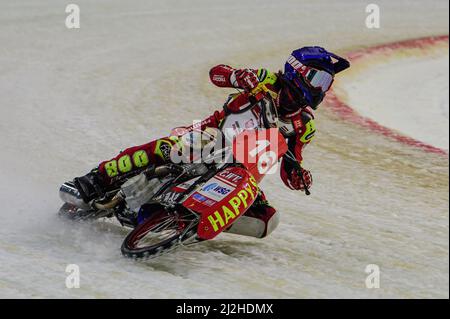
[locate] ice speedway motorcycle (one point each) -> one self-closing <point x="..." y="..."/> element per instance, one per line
<point x="181" y="204"/>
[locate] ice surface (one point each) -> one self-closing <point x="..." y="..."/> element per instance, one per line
<point x="71" y="98"/>
<point x="407" y="93"/>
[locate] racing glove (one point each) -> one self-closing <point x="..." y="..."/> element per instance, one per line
<point x="297" y="181"/>
<point x="245" y="79"/>
<point x="294" y="181"/>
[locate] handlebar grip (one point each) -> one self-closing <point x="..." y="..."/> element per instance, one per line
<point x="300" y="173"/>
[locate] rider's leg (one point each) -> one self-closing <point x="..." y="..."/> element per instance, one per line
<point x="96" y="182"/>
<point x="90" y="186"/>
<point x="258" y="221"/>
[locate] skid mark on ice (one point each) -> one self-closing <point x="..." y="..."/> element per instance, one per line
<point x="346" y="112"/>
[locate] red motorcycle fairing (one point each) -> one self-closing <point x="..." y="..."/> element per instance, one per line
<point x="231" y="192"/>
<point x="259" y="151"/>
<point x="222" y="200"/>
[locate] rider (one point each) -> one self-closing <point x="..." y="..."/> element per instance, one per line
<point x="308" y="74"/>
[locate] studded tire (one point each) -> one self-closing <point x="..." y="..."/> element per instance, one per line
<point x="160" y="233"/>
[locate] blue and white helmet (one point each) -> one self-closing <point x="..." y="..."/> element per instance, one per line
<point x="311" y="70"/>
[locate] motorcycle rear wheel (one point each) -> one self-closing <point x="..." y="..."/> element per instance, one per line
<point x="160" y="233"/>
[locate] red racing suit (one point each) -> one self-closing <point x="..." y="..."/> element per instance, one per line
<point x="158" y="153"/>
<point x="297" y="126"/>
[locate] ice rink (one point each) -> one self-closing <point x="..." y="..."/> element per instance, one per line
<point x="72" y="98"/>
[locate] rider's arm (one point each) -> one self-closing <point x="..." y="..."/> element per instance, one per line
<point x="225" y="76"/>
<point x="305" y="127"/>
<point x="305" y="130"/>
<point x="221" y="74"/>
<point x="213" y="120"/>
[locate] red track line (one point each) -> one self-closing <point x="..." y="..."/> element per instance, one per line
<point x="347" y="113"/>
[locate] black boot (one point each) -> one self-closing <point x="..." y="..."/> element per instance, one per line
<point x="90" y="186"/>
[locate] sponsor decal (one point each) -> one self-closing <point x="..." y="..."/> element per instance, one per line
<point x="165" y="151"/>
<point x="296" y="64"/>
<point x="219" y="78"/>
<point x="186" y="185"/>
<point x="209" y="202"/>
<point x="234" y="207"/>
<point x="170" y="197"/>
<point x="216" y="190"/>
<point x="199" y="197"/>
<point x="197" y="125"/>
<point x="209" y="187"/>
<point x="250" y="124"/>
<point x="230" y="177"/>
<point x="298" y="124"/>
<point x="179" y="131"/>
<point x="244" y="106"/>
<point x="289" y="116"/>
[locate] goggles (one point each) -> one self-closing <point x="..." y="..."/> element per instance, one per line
<point x="316" y="78"/>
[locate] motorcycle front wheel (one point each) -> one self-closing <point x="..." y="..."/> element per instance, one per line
<point x="161" y="232"/>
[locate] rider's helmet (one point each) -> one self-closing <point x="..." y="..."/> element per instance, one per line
<point x="310" y="71"/>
